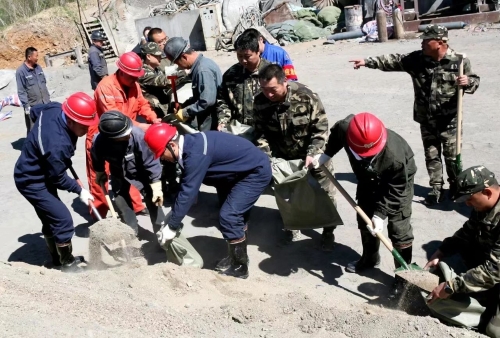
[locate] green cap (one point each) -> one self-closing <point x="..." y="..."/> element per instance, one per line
<point x="471" y="181"/>
<point x="151" y="48"/>
<point x="435" y="32"/>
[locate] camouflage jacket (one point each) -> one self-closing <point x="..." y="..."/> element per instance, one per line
<point x="433" y="81"/>
<point x="294" y="128"/>
<point x="479" y="236"/>
<point x="237" y="92"/>
<point x="154" y="84"/>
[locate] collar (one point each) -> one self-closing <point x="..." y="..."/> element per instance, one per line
<point x="256" y="72"/>
<point x="493" y="216"/>
<point x="359" y="158"/>
<point x="28" y="67"/>
<point x="181" y="150"/>
<point x="196" y="62"/>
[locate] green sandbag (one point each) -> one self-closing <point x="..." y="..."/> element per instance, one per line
<point x="329" y="15"/>
<point x="239" y="129"/>
<point x="305" y="31"/>
<point x="181" y="252"/>
<point x="309" y="16"/>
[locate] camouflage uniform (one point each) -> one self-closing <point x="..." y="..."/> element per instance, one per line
<point x="477" y="242"/>
<point x="294" y="129"/>
<point x="435" y="106"/>
<point x="237" y="92"/>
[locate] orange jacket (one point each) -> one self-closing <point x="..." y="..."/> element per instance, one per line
<point x="109" y="95"/>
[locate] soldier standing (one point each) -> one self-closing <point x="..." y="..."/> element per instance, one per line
<point x="292" y="124"/>
<point x="240" y="83"/>
<point x="98" y="67"/>
<point x="477" y="244"/>
<point x="434" y="72"/>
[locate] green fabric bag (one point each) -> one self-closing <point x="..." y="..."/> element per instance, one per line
<point x="309" y="16"/>
<point x="329" y="15"/>
<point x="302" y="203"/>
<point x="181" y="252"/>
<point x="306" y="31"/>
<point x="239" y="129"/>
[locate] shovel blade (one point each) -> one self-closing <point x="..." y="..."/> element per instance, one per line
<point x="419" y="277"/>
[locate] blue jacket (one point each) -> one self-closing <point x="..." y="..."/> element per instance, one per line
<point x="31" y="86"/>
<point x="98" y="67"/>
<point x="132" y="160"/>
<point x="214" y="158"/>
<point x="47" y="153"/>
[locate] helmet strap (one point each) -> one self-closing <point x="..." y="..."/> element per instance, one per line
<point x="172" y="152"/>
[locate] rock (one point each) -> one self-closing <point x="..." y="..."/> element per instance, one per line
<point x="368" y="311"/>
<point x="436" y="321"/>
<point x="237" y="319"/>
<point x="453" y="335"/>
<point x="187" y="306"/>
<point x="416" y="328"/>
<point x="189" y="284"/>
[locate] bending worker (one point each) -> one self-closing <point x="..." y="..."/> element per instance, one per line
<point x="385" y="168"/>
<point x="41" y="170"/>
<point x="234" y="166"/>
<point x="131" y="163"/>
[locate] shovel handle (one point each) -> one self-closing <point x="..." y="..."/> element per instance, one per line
<point x="459" y="106"/>
<point x="363" y="215"/>
<point x="172" y="79"/>
<point x="108" y="201"/>
<point x="92" y="206"/>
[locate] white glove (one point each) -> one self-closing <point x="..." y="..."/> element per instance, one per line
<point x="157" y="193"/>
<point x="319" y="160"/>
<point x="101" y="177"/>
<point x="85" y="196"/>
<point x="378" y="225"/>
<point x="165" y="234"/>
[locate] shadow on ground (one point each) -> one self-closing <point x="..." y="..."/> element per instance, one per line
<point x="34" y="251"/>
<point x="446" y="205"/>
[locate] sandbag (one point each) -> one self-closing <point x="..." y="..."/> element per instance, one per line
<point x="329" y="15"/>
<point x="307" y="15"/>
<point x="181" y="252"/>
<point x="239" y="129"/>
<point x="306" y="31"/>
<point x="301" y="201"/>
<point x="460" y="309"/>
<point x="319" y="4"/>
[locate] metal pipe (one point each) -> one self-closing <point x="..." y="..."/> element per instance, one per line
<point x="448" y="25"/>
<point x="346" y="35"/>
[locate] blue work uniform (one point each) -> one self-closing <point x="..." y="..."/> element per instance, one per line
<point x="41" y="170"/>
<point x="206" y="79"/>
<point x="98" y="67"/>
<point x="234" y="166"/>
<point x="277" y="55"/>
<point x="130" y="162"/>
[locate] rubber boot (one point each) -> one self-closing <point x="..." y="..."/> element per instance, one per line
<point x="68" y="262"/>
<point x="51" y="245"/>
<point x="399" y="284"/>
<point x="239" y="257"/>
<point x="370" y="257"/>
<point x="225" y="263"/>
<point x="328" y="239"/>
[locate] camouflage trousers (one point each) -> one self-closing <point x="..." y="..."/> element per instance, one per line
<point x="439" y="139"/>
<point x="327" y="185"/>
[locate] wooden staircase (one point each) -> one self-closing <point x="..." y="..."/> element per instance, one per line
<point x="96" y="25"/>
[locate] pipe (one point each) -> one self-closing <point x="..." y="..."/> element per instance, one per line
<point x="448" y="25"/>
<point x="346" y="35"/>
<point x="225" y="16"/>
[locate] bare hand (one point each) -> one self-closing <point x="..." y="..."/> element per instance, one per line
<point x="432" y="263"/>
<point x="309" y="161"/>
<point x="157" y="120"/>
<point x="220" y="127"/>
<point x="437" y="293"/>
<point x="358" y="63"/>
<point x="462" y="80"/>
<point x="144" y="126"/>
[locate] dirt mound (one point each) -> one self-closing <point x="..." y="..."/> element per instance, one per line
<point x="139" y="300"/>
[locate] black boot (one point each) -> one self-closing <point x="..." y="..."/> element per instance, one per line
<point x="226" y="262"/>
<point x="328" y="239"/>
<point x="399" y="284"/>
<point x="239" y="258"/>
<point x="370" y="257"/>
<point x="51" y="245"/>
<point x="69" y="263"/>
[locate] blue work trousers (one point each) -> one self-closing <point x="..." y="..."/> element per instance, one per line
<point x="55" y="216"/>
<point x="237" y="199"/>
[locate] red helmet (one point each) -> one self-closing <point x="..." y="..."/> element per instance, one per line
<point x="366" y="135"/>
<point x="81" y="108"/>
<point x="130" y="63"/>
<point x="158" y="136"/>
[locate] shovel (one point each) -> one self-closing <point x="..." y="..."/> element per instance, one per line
<point x="457" y="165"/>
<point x="410" y="272"/>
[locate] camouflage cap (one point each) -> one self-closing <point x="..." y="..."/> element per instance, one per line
<point x="151" y="48"/>
<point x="435" y="32"/>
<point x="471" y="181"/>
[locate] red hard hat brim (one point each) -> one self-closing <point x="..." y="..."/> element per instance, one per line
<point x="132" y="73"/>
<point x="377" y="148"/>
<point x="86" y="122"/>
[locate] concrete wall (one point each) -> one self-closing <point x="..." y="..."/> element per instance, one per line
<point x="186" y="24"/>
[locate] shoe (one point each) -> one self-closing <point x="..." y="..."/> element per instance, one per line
<point x="370" y="257"/>
<point x="239" y="260"/>
<point x="69" y="263"/>
<point x="292" y="235"/>
<point x="327" y="240"/>
<point x="435" y="196"/>
<point x="143" y="212"/>
<point x="400" y="285"/>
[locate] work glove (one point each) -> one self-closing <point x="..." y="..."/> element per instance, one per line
<point x="179" y="115"/>
<point x="101" y="177"/>
<point x="86" y="197"/>
<point x="319" y="160"/>
<point x="165" y="235"/>
<point x="378" y="225"/>
<point x="157" y="193"/>
<point x="27" y="109"/>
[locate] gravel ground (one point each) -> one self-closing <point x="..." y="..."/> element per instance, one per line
<point x="293" y="290"/>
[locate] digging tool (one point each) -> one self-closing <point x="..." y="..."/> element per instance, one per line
<point x="172" y="79"/>
<point x="457" y="166"/>
<point x="92" y="206"/>
<point x="410" y="272"/>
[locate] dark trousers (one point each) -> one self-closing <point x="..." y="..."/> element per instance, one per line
<point x="29" y="123"/>
<point x="237" y="199"/>
<point x="123" y="201"/>
<point x="54" y="215"/>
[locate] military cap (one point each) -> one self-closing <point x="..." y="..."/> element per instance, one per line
<point x="471" y="181"/>
<point x="151" y="48"/>
<point x="435" y="32"/>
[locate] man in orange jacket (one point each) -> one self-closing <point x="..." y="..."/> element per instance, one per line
<point x="119" y="91"/>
